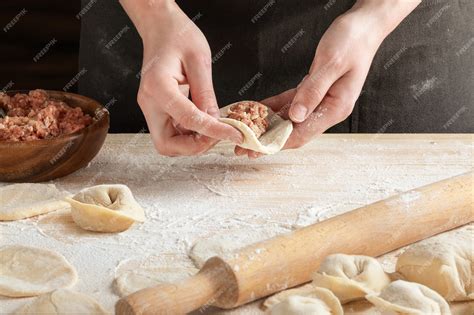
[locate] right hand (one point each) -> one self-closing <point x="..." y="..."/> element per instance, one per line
<point x="176" y="54"/>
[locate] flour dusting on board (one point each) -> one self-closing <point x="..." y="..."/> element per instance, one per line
<point x="217" y="195"/>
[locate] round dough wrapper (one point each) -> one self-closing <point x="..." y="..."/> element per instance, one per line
<point x="309" y="291"/>
<point x="62" y="302"/>
<point x="303" y="305"/>
<point x="138" y="273"/>
<point x="227" y="243"/>
<point x="135" y="280"/>
<point x="29" y="271"/>
<point x="20" y="201"/>
<point x="106" y="208"/>
<point x="351" y="277"/>
<point x="271" y="142"/>
<point x="444" y="263"/>
<point x="402" y="297"/>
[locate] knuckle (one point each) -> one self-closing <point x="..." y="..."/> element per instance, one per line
<point x="343" y="110"/>
<point x="312" y="92"/>
<point x="204" y="95"/>
<point x="201" y="57"/>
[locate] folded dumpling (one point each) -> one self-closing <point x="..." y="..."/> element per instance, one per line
<point x="106" y="208"/>
<point x="313" y="301"/>
<point x="402" y="297"/>
<point x="351" y="277"/>
<point x="443" y="263"/>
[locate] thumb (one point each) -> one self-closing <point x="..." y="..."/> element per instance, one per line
<point x="312" y="90"/>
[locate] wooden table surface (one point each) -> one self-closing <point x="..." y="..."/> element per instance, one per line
<point x="187" y="199"/>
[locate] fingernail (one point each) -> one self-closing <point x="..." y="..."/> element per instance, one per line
<point x="298" y="112"/>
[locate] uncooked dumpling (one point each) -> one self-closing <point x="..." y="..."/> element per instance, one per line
<point x="29" y="271"/>
<point x="402" y="297"/>
<point x="21" y="201"/>
<point x="61" y="302"/>
<point x="324" y="296"/>
<point x="444" y="263"/>
<point x="270" y="142"/>
<point x="303" y="305"/>
<point x="106" y="208"/>
<point x="351" y="277"/>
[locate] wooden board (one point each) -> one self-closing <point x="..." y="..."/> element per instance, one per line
<point x="191" y="198"/>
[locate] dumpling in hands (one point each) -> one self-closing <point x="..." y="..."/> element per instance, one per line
<point x="351" y="277"/>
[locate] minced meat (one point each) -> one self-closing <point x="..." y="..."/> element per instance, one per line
<point x="35" y="116"/>
<point x="253" y="114"/>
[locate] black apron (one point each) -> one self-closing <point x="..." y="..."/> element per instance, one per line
<point x="421" y="80"/>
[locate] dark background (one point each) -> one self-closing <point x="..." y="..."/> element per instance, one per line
<point x="44" y="21"/>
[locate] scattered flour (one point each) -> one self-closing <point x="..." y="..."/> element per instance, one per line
<point x="189" y="199"/>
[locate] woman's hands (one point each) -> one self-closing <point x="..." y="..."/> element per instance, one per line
<point x="327" y="94"/>
<point x="176" y="61"/>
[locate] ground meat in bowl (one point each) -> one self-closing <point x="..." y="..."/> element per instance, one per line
<point x="253" y="114"/>
<point x="35" y="116"/>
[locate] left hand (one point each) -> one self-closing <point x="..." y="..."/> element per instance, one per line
<point x="327" y="94"/>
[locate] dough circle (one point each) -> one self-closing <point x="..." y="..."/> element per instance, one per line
<point x="60" y="302"/>
<point x="444" y="263"/>
<point x="271" y="142"/>
<point x="351" y="277"/>
<point x="28" y="271"/>
<point x="409" y="298"/>
<point x="20" y="201"/>
<point x="105" y="208"/>
<point x="225" y="244"/>
<point x="324" y="297"/>
<point x="134" y="274"/>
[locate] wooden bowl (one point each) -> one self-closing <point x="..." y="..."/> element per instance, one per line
<point x="43" y="160"/>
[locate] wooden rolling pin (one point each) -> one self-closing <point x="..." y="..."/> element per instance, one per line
<point x="288" y="260"/>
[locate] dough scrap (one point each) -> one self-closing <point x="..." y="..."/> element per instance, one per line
<point x="351" y="277"/>
<point x="324" y="303"/>
<point x="402" y="297"/>
<point x="106" y="208"/>
<point x="225" y="244"/>
<point x="310" y="291"/>
<point x="271" y="142"/>
<point x="20" y="201"/>
<point x="60" y="302"/>
<point x="139" y="273"/>
<point x="30" y="271"/>
<point x="444" y="263"/>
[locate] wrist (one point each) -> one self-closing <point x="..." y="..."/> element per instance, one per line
<point x="145" y="13"/>
<point x="383" y="16"/>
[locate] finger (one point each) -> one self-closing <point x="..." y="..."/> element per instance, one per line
<point x="239" y="151"/>
<point x="335" y="107"/>
<point x="312" y="90"/>
<point x="181" y="145"/>
<point x="254" y="155"/>
<point x="198" y="70"/>
<point x="280" y="103"/>
<point x="184" y="89"/>
<point x="166" y="139"/>
<point x="172" y="143"/>
<point x="187" y="115"/>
